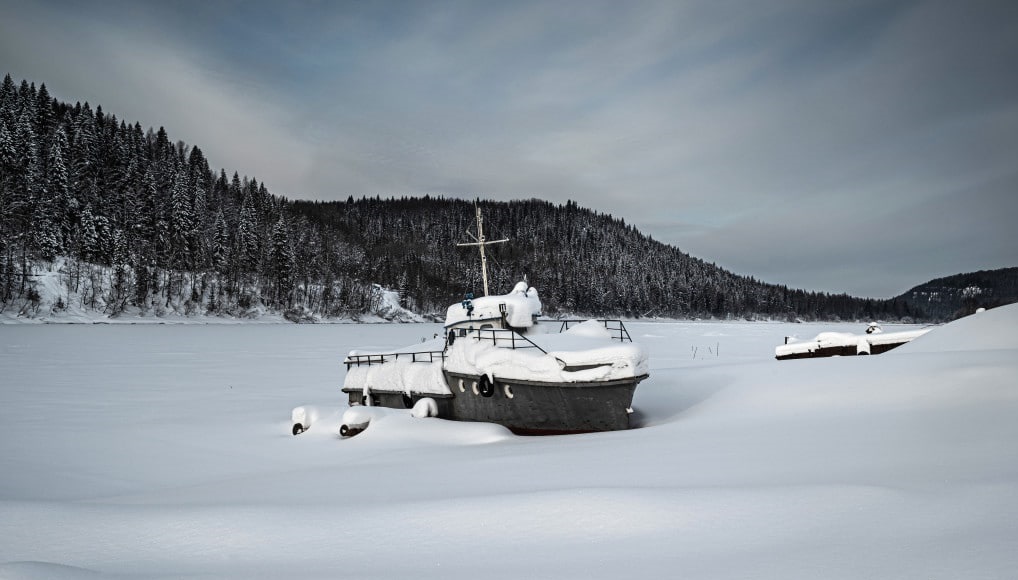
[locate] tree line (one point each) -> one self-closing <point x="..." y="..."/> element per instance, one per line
<point x="151" y="218"/>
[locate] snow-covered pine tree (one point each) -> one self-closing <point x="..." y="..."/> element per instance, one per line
<point x="26" y="171"/>
<point x="281" y="260"/>
<point x="88" y="238"/>
<point x="84" y="155"/>
<point x="220" y="244"/>
<point x="59" y="189"/>
<point x="181" y="223"/>
<point x="247" y="236"/>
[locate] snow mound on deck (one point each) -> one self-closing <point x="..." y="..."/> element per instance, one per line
<point x="586" y="344"/>
<point x="522" y="305"/>
<point x="400" y="375"/>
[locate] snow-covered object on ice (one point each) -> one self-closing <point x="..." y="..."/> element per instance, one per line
<point x="426" y="407"/>
<point x="355" y="420"/>
<point x="522" y="307"/>
<point x="875" y="341"/>
<point x="300" y="418"/>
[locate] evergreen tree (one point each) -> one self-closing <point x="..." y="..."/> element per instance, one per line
<point x="220" y="244"/>
<point x="181" y="223"/>
<point x="84" y="153"/>
<point x="44" y="115"/>
<point x="247" y="236"/>
<point x="88" y="240"/>
<point x="58" y="188"/>
<point x="26" y="171"/>
<point x="282" y="262"/>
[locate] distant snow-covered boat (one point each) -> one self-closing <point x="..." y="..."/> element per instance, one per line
<point x="874" y="341"/>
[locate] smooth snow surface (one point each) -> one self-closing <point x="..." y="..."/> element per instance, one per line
<point x="165" y="452"/>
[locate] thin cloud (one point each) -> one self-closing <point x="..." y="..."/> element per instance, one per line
<point x="789" y="140"/>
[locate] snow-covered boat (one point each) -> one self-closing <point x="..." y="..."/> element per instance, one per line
<point x="874" y="341"/>
<point x="497" y="363"/>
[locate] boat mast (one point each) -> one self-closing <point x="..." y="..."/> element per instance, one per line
<point x="480" y="243"/>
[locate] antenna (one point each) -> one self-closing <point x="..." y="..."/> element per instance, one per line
<point x="480" y="243"/>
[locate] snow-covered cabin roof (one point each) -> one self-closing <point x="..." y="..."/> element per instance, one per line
<point x="522" y="306"/>
<point x="585" y="352"/>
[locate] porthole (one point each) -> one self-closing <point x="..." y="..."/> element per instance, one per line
<point x="462" y="388"/>
<point x="508" y="391"/>
<point x="473" y="384"/>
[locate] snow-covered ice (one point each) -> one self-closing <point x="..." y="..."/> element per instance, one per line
<point x="165" y="451"/>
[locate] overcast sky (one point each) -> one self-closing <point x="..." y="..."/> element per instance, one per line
<point x="843" y="146"/>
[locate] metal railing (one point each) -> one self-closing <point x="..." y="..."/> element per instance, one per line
<point x="503" y="337"/>
<point x="613" y="326"/>
<point x="427" y="356"/>
<point x="497" y="336"/>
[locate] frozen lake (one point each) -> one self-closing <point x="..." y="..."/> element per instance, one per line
<point x="147" y="451"/>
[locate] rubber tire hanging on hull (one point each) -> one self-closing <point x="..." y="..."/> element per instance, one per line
<point x="485" y="386"/>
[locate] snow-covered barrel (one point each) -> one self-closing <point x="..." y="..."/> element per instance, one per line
<point x="426" y="407"/>
<point x="300" y="418"/>
<point x="355" y="420"/>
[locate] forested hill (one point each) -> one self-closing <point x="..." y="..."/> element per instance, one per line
<point x="141" y="223"/>
<point x="961" y="294"/>
<point x="580" y="260"/>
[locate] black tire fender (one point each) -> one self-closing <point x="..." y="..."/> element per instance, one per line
<point x="485" y="386"/>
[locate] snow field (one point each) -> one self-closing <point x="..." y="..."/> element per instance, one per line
<point x="165" y="451"/>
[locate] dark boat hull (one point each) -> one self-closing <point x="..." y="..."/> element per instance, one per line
<point x="845" y="350"/>
<point x="525" y="407"/>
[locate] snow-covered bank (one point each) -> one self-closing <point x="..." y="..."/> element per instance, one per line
<point x="149" y="452"/>
<point x="68" y="291"/>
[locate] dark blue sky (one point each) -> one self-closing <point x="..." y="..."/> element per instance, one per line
<point x="851" y="146"/>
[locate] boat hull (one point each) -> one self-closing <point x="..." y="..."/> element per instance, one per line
<point x="525" y="407"/>
<point x="531" y="407"/>
<point x="841" y="350"/>
<point x="399" y="400"/>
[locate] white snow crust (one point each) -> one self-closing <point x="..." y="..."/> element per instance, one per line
<point x="400" y="373"/>
<point x="584" y="344"/>
<point x="137" y="452"/>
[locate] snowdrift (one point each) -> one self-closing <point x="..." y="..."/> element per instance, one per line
<point x="166" y="452"/>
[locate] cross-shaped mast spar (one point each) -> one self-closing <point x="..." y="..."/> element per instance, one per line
<point x="480" y="243"/>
